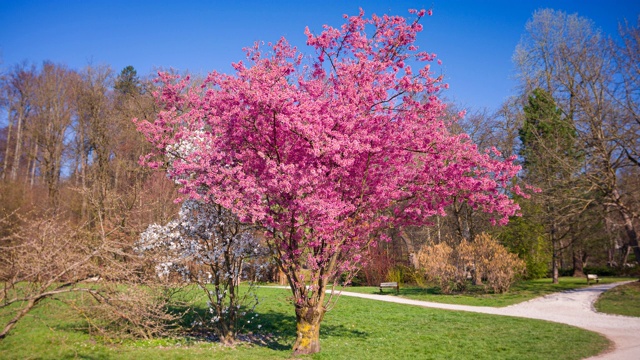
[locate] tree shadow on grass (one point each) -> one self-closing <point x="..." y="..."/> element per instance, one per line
<point x="420" y="291"/>
<point x="413" y="290"/>
<point x="281" y="329"/>
<point x="417" y="291"/>
<point x="341" y="332"/>
<point x="275" y="330"/>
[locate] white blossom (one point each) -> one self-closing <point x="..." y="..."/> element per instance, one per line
<point x="211" y="238"/>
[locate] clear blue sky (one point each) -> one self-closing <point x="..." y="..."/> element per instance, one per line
<point x="474" y="39"/>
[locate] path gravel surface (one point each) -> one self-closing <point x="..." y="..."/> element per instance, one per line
<point x="574" y="307"/>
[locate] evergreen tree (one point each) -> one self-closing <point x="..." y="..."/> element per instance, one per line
<point x="128" y="82"/>
<point x="545" y="132"/>
<point x="552" y="164"/>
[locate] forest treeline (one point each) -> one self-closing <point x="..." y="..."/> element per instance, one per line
<point x="69" y="161"/>
<point x="70" y="150"/>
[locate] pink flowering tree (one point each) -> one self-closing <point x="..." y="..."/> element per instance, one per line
<point x="325" y="150"/>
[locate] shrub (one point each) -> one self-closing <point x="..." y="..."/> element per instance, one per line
<point x="408" y="275"/>
<point x="495" y="263"/>
<point x="403" y="274"/>
<point x="438" y="262"/>
<point x="395" y="274"/>
<point x="567" y="272"/>
<point x="535" y="269"/>
<point x="377" y="267"/>
<point x="124" y="310"/>
<point x="601" y="271"/>
<point x="483" y="259"/>
<point x="47" y="256"/>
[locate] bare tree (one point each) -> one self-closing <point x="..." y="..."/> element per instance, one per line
<point x="53" y="112"/>
<point x="17" y="90"/>
<point x="93" y="145"/>
<point x="569" y="58"/>
<point x="627" y="61"/>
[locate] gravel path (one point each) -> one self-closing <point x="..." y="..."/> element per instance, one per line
<point x="574" y="307"/>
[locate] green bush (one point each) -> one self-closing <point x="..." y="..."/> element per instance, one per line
<point x="567" y="272"/>
<point x="415" y="277"/>
<point x="535" y="269"/>
<point x="403" y="274"/>
<point x="601" y="271"/>
<point x="396" y="274"/>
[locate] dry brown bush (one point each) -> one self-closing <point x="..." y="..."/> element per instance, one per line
<point x="484" y="259"/>
<point x="438" y="262"/>
<point x="120" y="310"/>
<point x="494" y="263"/>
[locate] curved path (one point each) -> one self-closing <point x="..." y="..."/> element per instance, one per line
<point x="573" y="307"/>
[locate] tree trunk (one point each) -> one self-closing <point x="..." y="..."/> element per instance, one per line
<point x="308" y="321"/>
<point x="6" y="150"/>
<point x="578" y="265"/>
<point x="15" y="166"/>
<point x="554" y="264"/>
<point x="555" y="254"/>
<point x="625" y="256"/>
<point x="34" y="164"/>
<point x="632" y="234"/>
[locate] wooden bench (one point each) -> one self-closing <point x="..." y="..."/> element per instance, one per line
<point x="592" y="277"/>
<point x="393" y="285"/>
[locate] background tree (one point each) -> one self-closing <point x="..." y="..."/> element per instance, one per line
<point x="570" y="59"/>
<point x="551" y="163"/>
<point x="325" y="155"/>
<point x="93" y="133"/>
<point x="128" y="82"/>
<point x="53" y="113"/>
<point x="626" y="54"/>
<point x="527" y="237"/>
<point x="17" y="92"/>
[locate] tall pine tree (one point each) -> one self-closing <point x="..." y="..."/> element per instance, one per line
<point x="552" y="164"/>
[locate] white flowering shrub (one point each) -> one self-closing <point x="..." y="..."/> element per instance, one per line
<point x="208" y="246"/>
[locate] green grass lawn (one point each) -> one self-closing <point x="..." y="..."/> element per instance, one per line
<point x="519" y="292"/>
<point x="621" y="300"/>
<point x="355" y="329"/>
